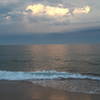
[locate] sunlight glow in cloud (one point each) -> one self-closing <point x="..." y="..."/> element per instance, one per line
<point x="56" y="11"/>
<point x="36" y="9"/>
<point x="84" y="10"/>
<point x="40" y="9"/>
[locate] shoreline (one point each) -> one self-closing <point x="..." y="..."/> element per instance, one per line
<point x="22" y="90"/>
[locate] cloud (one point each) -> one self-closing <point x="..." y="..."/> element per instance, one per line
<point x="46" y="15"/>
<point x="84" y="10"/>
<point x="40" y="9"/>
<point x="8" y="1"/>
<point x="55" y="11"/>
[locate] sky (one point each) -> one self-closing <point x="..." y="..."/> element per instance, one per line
<point x="19" y="17"/>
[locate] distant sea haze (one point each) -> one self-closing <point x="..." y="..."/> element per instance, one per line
<point x="82" y="36"/>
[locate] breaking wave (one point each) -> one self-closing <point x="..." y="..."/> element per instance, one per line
<point x="44" y="75"/>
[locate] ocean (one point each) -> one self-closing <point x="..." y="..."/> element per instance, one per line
<point x="73" y="68"/>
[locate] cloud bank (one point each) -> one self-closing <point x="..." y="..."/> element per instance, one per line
<point x="46" y="16"/>
<point x="40" y="9"/>
<point x="54" y="11"/>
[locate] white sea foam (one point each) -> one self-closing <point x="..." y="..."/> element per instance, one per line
<point x="45" y="75"/>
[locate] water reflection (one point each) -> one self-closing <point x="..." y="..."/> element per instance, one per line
<point x="15" y="90"/>
<point x="52" y="94"/>
<point x="74" y="58"/>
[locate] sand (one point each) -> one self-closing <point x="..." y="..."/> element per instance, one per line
<point x="21" y="90"/>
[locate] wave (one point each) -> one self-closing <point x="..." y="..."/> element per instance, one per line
<point x="44" y="75"/>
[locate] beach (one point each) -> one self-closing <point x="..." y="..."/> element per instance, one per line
<point x="22" y="90"/>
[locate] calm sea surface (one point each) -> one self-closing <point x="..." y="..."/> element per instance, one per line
<point x="70" y="58"/>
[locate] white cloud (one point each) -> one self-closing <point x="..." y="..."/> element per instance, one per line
<point x="53" y="11"/>
<point x="56" y="11"/>
<point x="84" y="10"/>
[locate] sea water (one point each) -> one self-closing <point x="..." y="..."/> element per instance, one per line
<point x="74" y="68"/>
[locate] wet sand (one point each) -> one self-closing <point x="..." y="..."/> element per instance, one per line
<point x="21" y="90"/>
